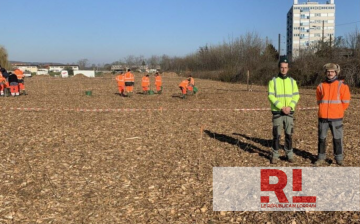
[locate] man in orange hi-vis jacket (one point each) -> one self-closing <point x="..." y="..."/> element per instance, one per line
<point x="145" y="84"/>
<point x="183" y="87"/>
<point x="158" y="83"/>
<point x="129" y="82"/>
<point x="121" y="83"/>
<point x="333" y="98"/>
<point x="20" y="76"/>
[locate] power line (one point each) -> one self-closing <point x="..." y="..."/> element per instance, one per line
<point x="347" y="23"/>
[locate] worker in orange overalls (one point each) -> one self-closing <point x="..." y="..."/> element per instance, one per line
<point x="20" y="76"/>
<point x="158" y="83"/>
<point x="129" y="82"/>
<point x="145" y="84"/>
<point x="191" y="83"/>
<point x="183" y="87"/>
<point x="2" y="84"/>
<point x="5" y="75"/>
<point x="14" y="84"/>
<point x="333" y="98"/>
<point x="121" y="83"/>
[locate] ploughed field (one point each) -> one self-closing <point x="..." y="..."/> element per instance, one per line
<point x="150" y="158"/>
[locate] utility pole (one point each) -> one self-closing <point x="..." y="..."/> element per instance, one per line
<point x="279" y="46"/>
<point x="322" y="37"/>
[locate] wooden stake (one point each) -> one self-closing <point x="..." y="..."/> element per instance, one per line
<point x="247" y="79"/>
<point x="149" y="123"/>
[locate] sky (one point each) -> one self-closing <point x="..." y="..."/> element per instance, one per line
<point x="104" y="31"/>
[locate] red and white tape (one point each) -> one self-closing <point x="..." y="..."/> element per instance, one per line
<point x="138" y="110"/>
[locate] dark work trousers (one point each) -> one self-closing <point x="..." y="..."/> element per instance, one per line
<point x="336" y="128"/>
<point x="281" y="122"/>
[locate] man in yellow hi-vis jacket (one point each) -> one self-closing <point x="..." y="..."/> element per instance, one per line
<point x="283" y="96"/>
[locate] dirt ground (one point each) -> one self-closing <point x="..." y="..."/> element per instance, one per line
<point x="148" y="159"/>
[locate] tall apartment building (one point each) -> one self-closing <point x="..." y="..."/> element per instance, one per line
<point x="307" y="24"/>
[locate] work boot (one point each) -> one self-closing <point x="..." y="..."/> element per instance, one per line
<point x="159" y="92"/>
<point x="340" y="162"/>
<point x="24" y="92"/>
<point x="183" y="96"/>
<point x="275" y="156"/>
<point x="291" y="160"/>
<point x="274" y="160"/>
<point x="319" y="162"/>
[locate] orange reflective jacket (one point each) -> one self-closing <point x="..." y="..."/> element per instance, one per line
<point x="2" y="79"/>
<point x="158" y="81"/>
<point x="129" y="77"/>
<point x="145" y="81"/>
<point x="19" y="73"/>
<point x="120" y="80"/>
<point x="184" y="84"/>
<point x="333" y="99"/>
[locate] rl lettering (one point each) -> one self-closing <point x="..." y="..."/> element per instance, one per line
<point x="279" y="187"/>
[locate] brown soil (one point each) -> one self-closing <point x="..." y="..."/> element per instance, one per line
<point x="144" y="166"/>
<point x="79" y="76"/>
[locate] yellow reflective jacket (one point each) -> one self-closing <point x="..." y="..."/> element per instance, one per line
<point x="283" y="92"/>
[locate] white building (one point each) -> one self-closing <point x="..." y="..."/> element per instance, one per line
<point x="307" y="24"/>
<point x="42" y="71"/>
<point x="30" y="68"/>
<point x="118" y="68"/>
<point x="59" y="68"/>
<point x="87" y="73"/>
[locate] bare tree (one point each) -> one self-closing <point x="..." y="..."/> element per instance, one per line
<point x="139" y="60"/>
<point x="130" y="60"/>
<point x="82" y="63"/>
<point x="4" y="58"/>
<point x="153" y="61"/>
<point x="353" y="41"/>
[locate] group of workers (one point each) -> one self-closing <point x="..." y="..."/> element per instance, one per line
<point x="126" y="82"/>
<point x="12" y="81"/>
<point x="333" y="98"/>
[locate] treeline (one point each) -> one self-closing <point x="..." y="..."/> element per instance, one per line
<point x="231" y="60"/>
<point x="4" y="58"/>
